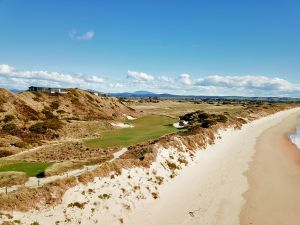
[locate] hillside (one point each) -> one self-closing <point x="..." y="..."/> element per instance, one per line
<point x="30" y="117"/>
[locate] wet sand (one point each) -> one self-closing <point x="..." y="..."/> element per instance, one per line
<point x="274" y="178"/>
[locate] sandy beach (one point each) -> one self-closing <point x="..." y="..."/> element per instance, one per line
<point x="274" y="178"/>
<point x="211" y="190"/>
<point x="249" y="176"/>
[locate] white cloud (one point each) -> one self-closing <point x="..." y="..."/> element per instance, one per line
<point x="139" y="76"/>
<point x="220" y="85"/>
<point x="185" y="79"/>
<point x="94" y="78"/>
<point x="116" y="85"/>
<point x="184" y="84"/>
<point x="165" y="79"/>
<point x="23" y="79"/>
<point x="89" y="35"/>
<point x="248" y="82"/>
<point x="6" y="68"/>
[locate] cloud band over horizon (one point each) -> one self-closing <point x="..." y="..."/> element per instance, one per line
<point x="183" y="84"/>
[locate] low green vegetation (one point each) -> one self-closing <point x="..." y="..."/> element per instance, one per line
<point x="9" y="127"/>
<point x="42" y="127"/>
<point x="8" y="118"/>
<point x="145" y="128"/>
<point x="203" y="119"/>
<point x="32" y="169"/>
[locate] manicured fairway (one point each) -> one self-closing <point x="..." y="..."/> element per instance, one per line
<point x="145" y="128"/>
<point x="32" y="169"/>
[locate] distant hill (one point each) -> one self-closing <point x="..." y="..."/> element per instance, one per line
<point x="147" y="94"/>
<point x="134" y="94"/>
<point x="16" y="90"/>
<point x="140" y="94"/>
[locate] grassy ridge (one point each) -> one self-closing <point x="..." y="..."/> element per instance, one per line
<point x="145" y="128"/>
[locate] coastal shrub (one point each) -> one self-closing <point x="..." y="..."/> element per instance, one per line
<point x="41" y="127"/>
<point x="6" y="152"/>
<point x="77" y="204"/>
<point x="104" y="196"/>
<point x="21" y="144"/>
<point x="48" y="114"/>
<point x="154" y="195"/>
<point x="222" y="119"/>
<point x="187" y="117"/>
<point x="203" y="116"/>
<point x="60" y="111"/>
<point x="35" y="223"/>
<point x="182" y="160"/>
<point x="53" y="124"/>
<point x="54" y="105"/>
<point x="8" y="118"/>
<point x="9" y="127"/>
<point x="159" y="180"/>
<point x="208" y="123"/>
<point x="75" y="100"/>
<point x="171" y="165"/>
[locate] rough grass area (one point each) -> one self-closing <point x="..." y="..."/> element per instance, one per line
<point x="69" y="151"/>
<point x="26" y="198"/>
<point x="8" y="179"/>
<point x="32" y="169"/>
<point x="59" y="168"/>
<point x="179" y="108"/>
<point x="145" y="128"/>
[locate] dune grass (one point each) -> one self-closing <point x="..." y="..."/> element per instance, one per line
<point x="145" y="128"/>
<point x="8" y="179"/>
<point x="32" y="169"/>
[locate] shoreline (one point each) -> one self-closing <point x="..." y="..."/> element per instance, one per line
<point x="274" y="178"/>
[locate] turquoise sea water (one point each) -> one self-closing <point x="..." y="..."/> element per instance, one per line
<point x="295" y="137"/>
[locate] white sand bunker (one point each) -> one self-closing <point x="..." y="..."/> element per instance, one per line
<point x="129" y="117"/>
<point x="122" y="125"/>
<point x="180" y="125"/>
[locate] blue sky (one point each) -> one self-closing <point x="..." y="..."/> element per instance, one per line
<point x="210" y="47"/>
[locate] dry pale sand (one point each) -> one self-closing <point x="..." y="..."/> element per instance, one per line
<point x="274" y="177"/>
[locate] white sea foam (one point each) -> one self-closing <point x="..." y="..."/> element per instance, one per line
<point x="295" y="137"/>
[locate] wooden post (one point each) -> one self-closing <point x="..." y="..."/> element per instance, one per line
<point x="38" y="182"/>
<point x="5" y="190"/>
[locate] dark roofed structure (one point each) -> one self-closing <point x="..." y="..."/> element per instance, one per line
<point x="47" y="89"/>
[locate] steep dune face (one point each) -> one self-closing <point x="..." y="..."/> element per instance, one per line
<point x="77" y="104"/>
<point x="11" y="104"/>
